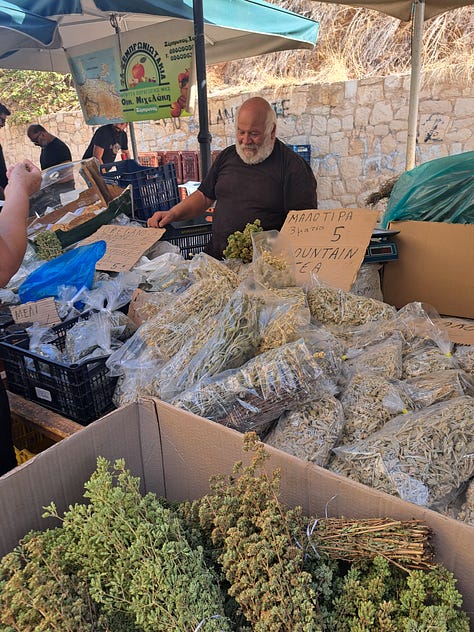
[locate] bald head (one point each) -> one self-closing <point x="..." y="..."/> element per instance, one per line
<point x="256" y="129"/>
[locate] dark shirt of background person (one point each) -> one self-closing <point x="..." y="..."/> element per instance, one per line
<point x="4" y="112"/>
<point x="53" y="150"/>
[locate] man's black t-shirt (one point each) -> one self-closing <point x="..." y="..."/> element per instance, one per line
<point x="54" y="153"/>
<point x="112" y="141"/>
<point x="266" y="191"/>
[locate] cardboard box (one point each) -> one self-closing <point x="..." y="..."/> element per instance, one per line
<point x="435" y="265"/>
<point x="174" y="453"/>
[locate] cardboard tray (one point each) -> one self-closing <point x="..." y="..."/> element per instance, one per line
<point x="175" y="453"/>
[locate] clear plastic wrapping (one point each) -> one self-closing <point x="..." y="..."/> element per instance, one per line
<point x="464" y="356"/>
<point x="234" y="341"/>
<point x="259" y="391"/>
<point x="330" y="305"/>
<point x="438" y="386"/>
<point x="273" y="260"/>
<point x="426" y="359"/>
<point x="284" y="315"/>
<point x="383" y="357"/>
<point x="168" y="272"/>
<point x="369" y="401"/>
<point x="310" y="431"/>
<point x="424" y="457"/>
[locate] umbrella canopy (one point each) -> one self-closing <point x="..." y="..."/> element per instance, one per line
<point x="402" y="9"/>
<point x="224" y="30"/>
<point x="233" y="28"/>
<point x="418" y="11"/>
<point x="23" y="28"/>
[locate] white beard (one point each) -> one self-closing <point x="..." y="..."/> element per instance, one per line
<point x="255" y="157"/>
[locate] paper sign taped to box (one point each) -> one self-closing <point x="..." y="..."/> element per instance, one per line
<point x="330" y="244"/>
<point x="125" y="245"/>
<point x="43" y="312"/>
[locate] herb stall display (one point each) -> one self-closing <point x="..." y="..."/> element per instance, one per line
<point x="235" y="559"/>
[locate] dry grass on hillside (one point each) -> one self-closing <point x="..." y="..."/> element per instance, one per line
<point x="355" y="43"/>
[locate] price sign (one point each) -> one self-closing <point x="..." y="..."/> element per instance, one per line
<point x="330" y="244"/>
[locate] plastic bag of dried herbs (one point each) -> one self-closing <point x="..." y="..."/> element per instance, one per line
<point x="311" y="431"/>
<point x="257" y="392"/>
<point x="327" y="349"/>
<point x="370" y="400"/>
<point x="283" y="315"/>
<point x="167" y="273"/>
<point x="331" y="305"/>
<point x="234" y="341"/>
<point x="424" y="456"/>
<point x="168" y="330"/>
<point x="426" y="359"/>
<point x="420" y="324"/>
<point x="273" y="260"/>
<point x="202" y="266"/>
<point x="384" y="357"/>
<point x="464" y="355"/>
<point x="439" y="386"/>
<point x="138" y="378"/>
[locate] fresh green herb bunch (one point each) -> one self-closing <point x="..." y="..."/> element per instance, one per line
<point x="239" y="244"/>
<point x="256" y="537"/>
<point x="48" y="246"/>
<point x="376" y="595"/>
<point x="135" y="556"/>
<point x="39" y="590"/>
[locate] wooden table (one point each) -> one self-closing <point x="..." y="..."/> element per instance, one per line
<point x="49" y="423"/>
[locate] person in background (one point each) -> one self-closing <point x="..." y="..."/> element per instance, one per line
<point x="53" y="150"/>
<point x="4" y="112"/>
<point x="23" y="180"/>
<point x="108" y="141"/>
<point x="257" y="178"/>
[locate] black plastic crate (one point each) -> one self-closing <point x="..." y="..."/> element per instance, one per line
<point x="302" y="150"/>
<point x="153" y="188"/>
<point x="82" y="391"/>
<point x="189" y="239"/>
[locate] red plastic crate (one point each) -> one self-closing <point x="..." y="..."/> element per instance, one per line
<point x="149" y="159"/>
<point x="190" y="166"/>
<point x="174" y="157"/>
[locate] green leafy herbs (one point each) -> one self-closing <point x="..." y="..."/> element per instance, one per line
<point x="236" y="559"/>
<point x="239" y="244"/>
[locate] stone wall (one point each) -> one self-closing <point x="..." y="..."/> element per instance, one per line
<point x="357" y="130"/>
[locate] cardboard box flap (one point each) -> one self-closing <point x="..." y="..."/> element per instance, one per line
<point x="435" y="265"/>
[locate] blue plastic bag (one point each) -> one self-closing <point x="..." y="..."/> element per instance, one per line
<point x="441" y="190"/>
<point x="74" y="268"/>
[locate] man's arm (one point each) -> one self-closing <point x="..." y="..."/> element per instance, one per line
<point x="23" y="180"/>
<point x="190" y="207"/>
<point x="98" y="152"/>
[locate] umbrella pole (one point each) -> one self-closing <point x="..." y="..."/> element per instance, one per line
<point x="415" y="81"/>
<point x="115" y="24"/>
<point x="204" y="137"/>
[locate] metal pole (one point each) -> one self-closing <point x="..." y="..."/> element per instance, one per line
<point x="415" y="81"/>
<point x="133" y="140"/>
<point x="204" y="137"/>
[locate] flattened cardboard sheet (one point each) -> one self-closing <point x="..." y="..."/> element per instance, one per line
<point x="125" y="245"/>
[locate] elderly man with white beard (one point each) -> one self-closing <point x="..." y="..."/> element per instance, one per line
<point x="257" y="178"/>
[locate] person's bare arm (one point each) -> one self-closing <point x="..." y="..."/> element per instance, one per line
<point x="98" y="153"/>
<point x="23" y="179"/>
<point x="190" y="207"/>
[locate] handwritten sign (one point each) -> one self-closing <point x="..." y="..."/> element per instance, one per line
<point x="125" y="245"/>
<point x="43" y="312"/>
<point x="329" y="243"/>
<point x="460" y="330"/>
